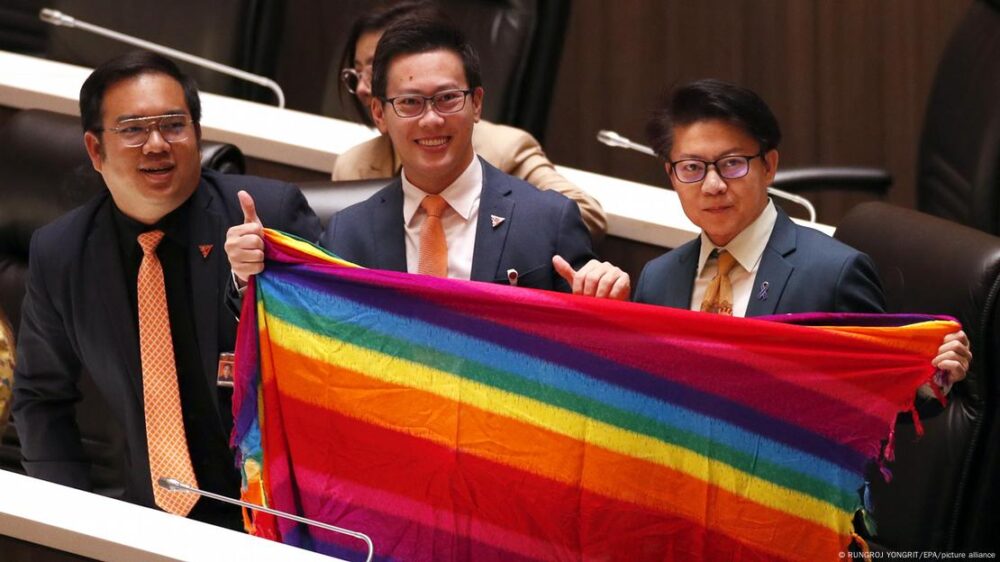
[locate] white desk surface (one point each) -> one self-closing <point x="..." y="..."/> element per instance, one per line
<point x="635" y="211"/>
<point x="97" y="527"/>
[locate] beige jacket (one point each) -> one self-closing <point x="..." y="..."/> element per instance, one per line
<point x="511" y="150"/>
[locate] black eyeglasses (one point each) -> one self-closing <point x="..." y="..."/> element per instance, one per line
<point x="415" y="105"/>
<point x="693" y="170"/>
<point x="352" y="78"/>
<point x="135" y="132"/>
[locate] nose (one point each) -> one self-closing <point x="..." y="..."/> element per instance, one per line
<point x="364" y="89"/>
<point x="155" y="142"/>
<point x="713" y="184"/>
<point x="430" y="118"/>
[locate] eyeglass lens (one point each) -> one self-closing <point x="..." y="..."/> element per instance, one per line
<point x="730" y="167"/>
<point x="350" y="78"/>
<point x="451" y="101"/>
<point x="173" y="128"/>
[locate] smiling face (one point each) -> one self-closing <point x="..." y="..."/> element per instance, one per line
<point x="149" y="181"/>
<point x="434" y="149"/>
<point x="722" y="208"/>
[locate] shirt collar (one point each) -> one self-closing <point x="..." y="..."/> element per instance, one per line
<point x="461" y="195"/>
<point x="173" y="226"/>
<point x="748" y="246"/>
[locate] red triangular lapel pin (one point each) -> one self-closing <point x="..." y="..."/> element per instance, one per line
<point x="205" y="250"/>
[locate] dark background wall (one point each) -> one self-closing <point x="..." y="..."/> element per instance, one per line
<point x="848" y="79"/>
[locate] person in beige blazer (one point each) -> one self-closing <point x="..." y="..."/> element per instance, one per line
<point x="510" y="149"/>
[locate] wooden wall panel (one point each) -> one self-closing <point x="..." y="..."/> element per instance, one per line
<point x="848" y="79"/>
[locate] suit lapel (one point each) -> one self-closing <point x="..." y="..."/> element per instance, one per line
<point x="388" y="236"/>
<point x="678" y="288"/>
<point x="490" y="241"/>
<point x="209" y="270"/>
<point x="774" y="268"/>
<point x="104" y="282"/>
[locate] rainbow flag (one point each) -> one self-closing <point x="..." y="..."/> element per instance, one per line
<point x="454" y="420"/>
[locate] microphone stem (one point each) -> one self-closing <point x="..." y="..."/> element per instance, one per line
<point x="174" y="485"/>
<point x="68" y="21"/>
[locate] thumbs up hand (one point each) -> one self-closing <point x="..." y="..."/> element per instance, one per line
<point x="245" y="242"/>
<point x="595" y="279"/>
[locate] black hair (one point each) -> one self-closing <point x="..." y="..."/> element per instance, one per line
<point x="421" y="35"/>
<point x="380" y="18"/>
<point x="130" y="65"/>
<point x="712" y="99"/>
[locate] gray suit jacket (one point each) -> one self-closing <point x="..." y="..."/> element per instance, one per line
<point x="537" y="225"/>
<point x="805" y="271"/>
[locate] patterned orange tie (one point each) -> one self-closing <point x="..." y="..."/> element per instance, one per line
<point x="433" y="246"/>
<point x="168" y="448"/>
<point x="719" y="294"/>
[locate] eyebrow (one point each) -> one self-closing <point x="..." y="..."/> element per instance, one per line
<point x="135" y="117"/>
<point x="734" y="151"/>
<point x="405" y="91"/>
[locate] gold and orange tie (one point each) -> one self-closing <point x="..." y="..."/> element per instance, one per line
<point x="719" y="294"/>
<point x="433" y="256"/>
<point x="168" y="449"/>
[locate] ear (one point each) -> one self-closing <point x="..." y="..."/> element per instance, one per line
<point x="378" y="115"/>
<point x="670" y="177"/>
<point x="477" y="102"/>
<point x="94" y="150"/>
<point x="771" y="165"/>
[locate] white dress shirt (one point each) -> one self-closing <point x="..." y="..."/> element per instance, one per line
<point x="748" y="249"/>
<point x="459" y="219"/>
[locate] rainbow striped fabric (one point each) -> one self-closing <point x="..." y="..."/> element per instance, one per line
<point x="453" y="420"/>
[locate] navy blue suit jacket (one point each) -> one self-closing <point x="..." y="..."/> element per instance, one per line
<point x="537" y="225"/>
<point x="76" y="317"/>
<point x="805" y="271"/>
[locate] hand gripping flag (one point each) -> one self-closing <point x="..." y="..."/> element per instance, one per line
<point x="454" y="420"/>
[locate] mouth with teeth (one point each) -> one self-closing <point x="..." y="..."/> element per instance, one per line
<point x="433" y="142"/>
<point x="157" y="170"/>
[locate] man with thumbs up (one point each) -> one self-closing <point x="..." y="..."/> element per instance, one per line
<point x="450" y="213"/>
<point x="129" y="290"/>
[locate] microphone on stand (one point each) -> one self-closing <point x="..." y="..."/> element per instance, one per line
<point x="58" y="18"/>
<point x="612" y="138"/>
<point x="175" y="485"/>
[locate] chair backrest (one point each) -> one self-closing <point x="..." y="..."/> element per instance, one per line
<point x="959" y="160"/>
<point x="519" y="44"/>
<point x="328" y="197"/>
<point x="45" y="172"/>
<point x="930" y="265"/>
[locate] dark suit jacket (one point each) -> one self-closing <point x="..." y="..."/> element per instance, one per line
<point x="76" y="317"/>
<point x="806" y="271"/>
<point x="537" y="225"/>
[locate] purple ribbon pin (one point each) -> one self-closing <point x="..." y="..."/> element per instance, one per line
<point x="762" y="295"/>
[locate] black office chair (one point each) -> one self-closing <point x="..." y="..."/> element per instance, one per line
<point x="519" y="43"/>
<point x="20" y="29"/>
<point x="241" y="33"/>
<point x="959" y="164"/>
<point x="958" y="174"/>
<point x="327" y="197"/>
<point x="945" y="485"/>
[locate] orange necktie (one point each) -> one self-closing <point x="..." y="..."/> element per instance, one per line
<point x="433" y="246"/>
<point x="719" y="294"/>
<point x="168" y="448"/>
